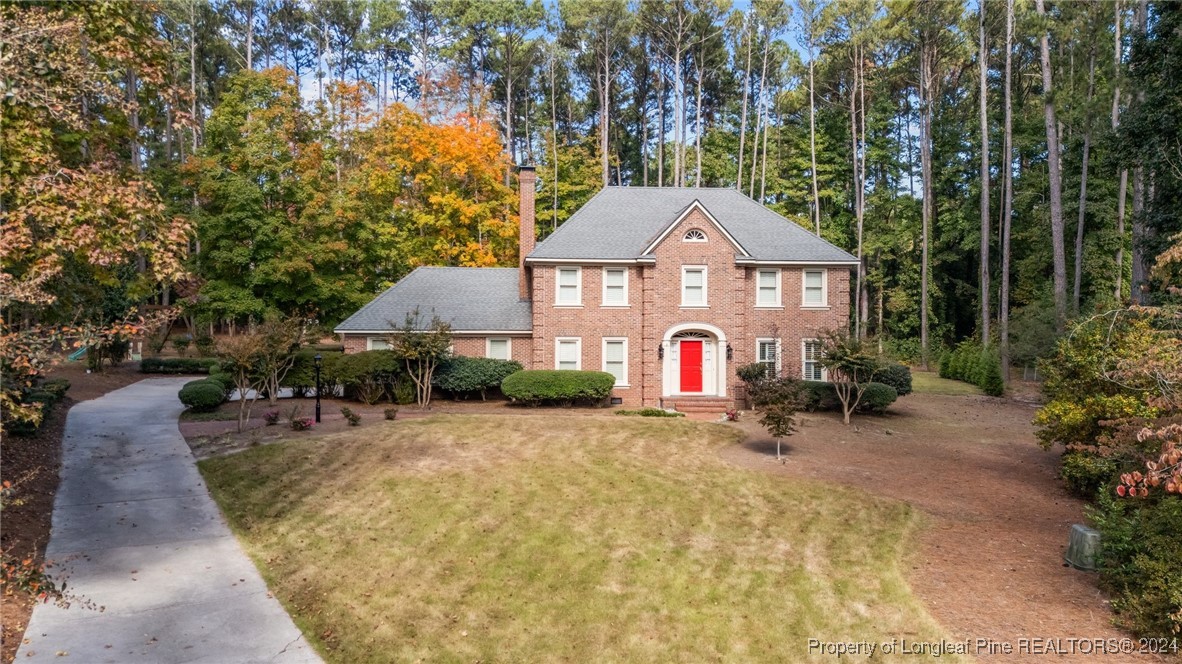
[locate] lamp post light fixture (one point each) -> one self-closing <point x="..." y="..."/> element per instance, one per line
<point x="316" y="362"/>
<point x="661" y="352"/>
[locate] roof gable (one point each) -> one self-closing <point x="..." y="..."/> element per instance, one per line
<point x="696" y="205"/>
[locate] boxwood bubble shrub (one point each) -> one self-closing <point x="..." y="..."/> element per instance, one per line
<point x="202" y="395"/>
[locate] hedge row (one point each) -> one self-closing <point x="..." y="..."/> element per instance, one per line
<point x="178" y="365"/>
<point x="972" y="363"/>
<point x="536" y="387"/>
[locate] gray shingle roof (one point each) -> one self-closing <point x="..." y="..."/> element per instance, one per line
<point x="468" y="298"/>
<point x="620" y="222"/>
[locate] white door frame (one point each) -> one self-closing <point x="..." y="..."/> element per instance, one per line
<point x="713" y="378"/>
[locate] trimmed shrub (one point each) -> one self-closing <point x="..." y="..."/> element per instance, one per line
<point x="202" y="395"/>
<point x="353" y="418"/>
<point x="650" y="412"/>
<point x="536" y="387"/>
<point x="877" y="398"/>
<point x="225" y="380"/>
<point x="178" y="365"/>
<point x="462" y="376"/>
<point x="1141" y="561"/>
<point x="822" y="396"/>
<point x="752" y="373"/>
<point x="57" y="387"/>
<point x="368" y="375"/>
<point x="301" y="378"/>
<point x="1085" y="474"/>
<point x="390" y="413"/>
<point x="897" y="376"/>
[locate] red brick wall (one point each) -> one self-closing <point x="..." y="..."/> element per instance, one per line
<point x="654" y="296"/>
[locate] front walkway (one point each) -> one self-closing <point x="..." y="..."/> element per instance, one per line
<point x="135" y="528"/>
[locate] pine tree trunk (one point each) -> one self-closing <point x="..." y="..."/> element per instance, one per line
<point x="813" y="140"/>
<point x="927" y="98"/>
<point x="1083" y="187"/>
<point x="1055" y="175"/>
<point x="698" y="124"/>
<point x="1007" y="186"/>
<point x="761" y="112"/>
<point x="863" y="310"/>
<point x="983" y="100"/>
<point x="743" y="120"/>
<point x="1124" y="172"/>
<point x="1140" y="261"/>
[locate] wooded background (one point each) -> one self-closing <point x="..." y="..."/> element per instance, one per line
<point x="999" y="167"/>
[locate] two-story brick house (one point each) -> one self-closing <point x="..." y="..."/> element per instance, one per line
<point x="669" y="289"/>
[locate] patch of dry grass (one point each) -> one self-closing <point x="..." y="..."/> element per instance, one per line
<point x="528" y="538"/>
<point x="929" y="382"/>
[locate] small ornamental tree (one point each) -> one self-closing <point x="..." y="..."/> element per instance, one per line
<point x="851" y="364"/>
<point x="241" y="357"/>
<point x="279" y="339"/>
<point x="421" y="347"/>
<point x="778" y="400"/>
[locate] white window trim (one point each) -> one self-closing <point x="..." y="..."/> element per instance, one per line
<point x="686" y="238"/>
<point x="578" y="287"/>
<point x="369" y="343"/>
<point x="779" y="366"/>
<point x="578" y="351"/>
<point x="803" y="356"/>
<point x="779" y="304"/>
<point x="705" y="303"/>
<point x="623" y="382"/>
<point x="508" y="346"/>
<point x="603" y="296"/>
<point x="804" y="304"/>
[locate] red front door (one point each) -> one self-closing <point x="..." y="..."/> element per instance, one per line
<point x="691" y="366"/>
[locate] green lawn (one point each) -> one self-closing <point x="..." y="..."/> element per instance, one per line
<point x="526" y="538"/>
<point x="929" y="382"/>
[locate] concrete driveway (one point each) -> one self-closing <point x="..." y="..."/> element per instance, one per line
<point x="138" y="534"/>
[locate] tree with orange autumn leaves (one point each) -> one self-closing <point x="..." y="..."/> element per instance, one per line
<point x="312" y="209"/>
<point x="444" y="184"/>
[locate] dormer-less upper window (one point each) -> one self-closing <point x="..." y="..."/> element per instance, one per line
<point x="694" y="235"/>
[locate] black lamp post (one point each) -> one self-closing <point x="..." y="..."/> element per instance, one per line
<point x="317" y="360"/>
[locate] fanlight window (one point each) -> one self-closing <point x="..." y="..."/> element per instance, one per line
<point x="694" y="235"/>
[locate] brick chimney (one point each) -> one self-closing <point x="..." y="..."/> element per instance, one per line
<point x="526" y="179"/>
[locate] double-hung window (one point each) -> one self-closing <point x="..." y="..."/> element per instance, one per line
<point x="570" y="286"/>
<point x="693" y="286"/>
<point x="767" y="293"/>
<point x="811" y="360"/>
<point x="615" y="287"/>
<point x="767" y="353"/>
<point x="568" y="353"/>
<point x="499" y="348"/>
<point x="376" y="343"/>
<point x="615" y="359"/>
<point x="815" y="289"/>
